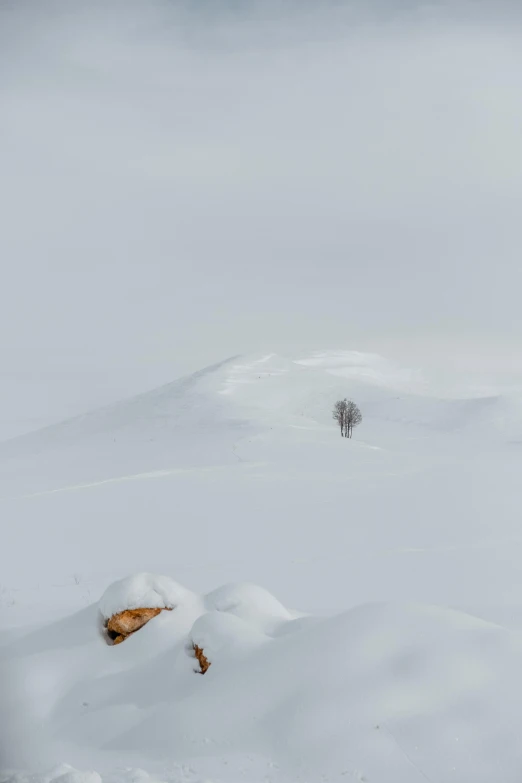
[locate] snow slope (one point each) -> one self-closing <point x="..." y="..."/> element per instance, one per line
<point x="237" y="475"/>
<point x="380" y="692"/>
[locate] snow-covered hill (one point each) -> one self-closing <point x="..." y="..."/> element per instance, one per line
<point x="238" y="474"/>
<point x="206" y="418"/>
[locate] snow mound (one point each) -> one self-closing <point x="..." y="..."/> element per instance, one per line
<point x="65" y="773"/>
<point x="397" y="692"/>
<point x="247" y="600"/>
<point x="233" y="615"/>
<point x="384" y="691"/>
<point x="224" y="637"/>
<point x="143" y="591"/>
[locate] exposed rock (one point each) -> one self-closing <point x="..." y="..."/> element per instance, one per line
<point x="125" y="623"/>
<point x="204" y="663"/>
<point x="117" y="639"/>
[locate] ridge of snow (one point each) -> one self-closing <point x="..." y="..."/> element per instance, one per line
<point x="247" y="395"/>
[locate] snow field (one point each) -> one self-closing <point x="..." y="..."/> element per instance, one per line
<point x="238" y="476"/>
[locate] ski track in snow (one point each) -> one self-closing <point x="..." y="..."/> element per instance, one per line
<point x="155" y="474"/>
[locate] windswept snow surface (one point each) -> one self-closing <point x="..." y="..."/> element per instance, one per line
<point x="237" y="476"/>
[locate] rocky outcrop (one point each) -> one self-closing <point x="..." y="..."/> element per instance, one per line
<point x="125" y="623"/>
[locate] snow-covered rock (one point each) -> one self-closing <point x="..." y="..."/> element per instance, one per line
<point x="142" y="591"/>
<point x="124" y="624"/>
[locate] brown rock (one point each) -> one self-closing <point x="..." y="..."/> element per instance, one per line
<point x="125" y="623"/>
<point x="204" y="663"/>
<point x="118" y="639"/>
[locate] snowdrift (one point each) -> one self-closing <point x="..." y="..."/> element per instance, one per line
<point x="381" y="692"/>
<point x="238" y="473"/>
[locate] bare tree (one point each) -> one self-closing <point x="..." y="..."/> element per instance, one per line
<point x="347" y="415"/>
<point x="339" y="414"/>
<point x="353" y="417"/>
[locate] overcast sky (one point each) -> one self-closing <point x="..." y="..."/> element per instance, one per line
<point x="183" y="182"/>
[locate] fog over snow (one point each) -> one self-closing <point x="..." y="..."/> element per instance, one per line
<point x="186" y="181"/>
<point x="218" y="218"/>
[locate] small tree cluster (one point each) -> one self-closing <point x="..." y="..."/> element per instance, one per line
<point x="347" y="415"/>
